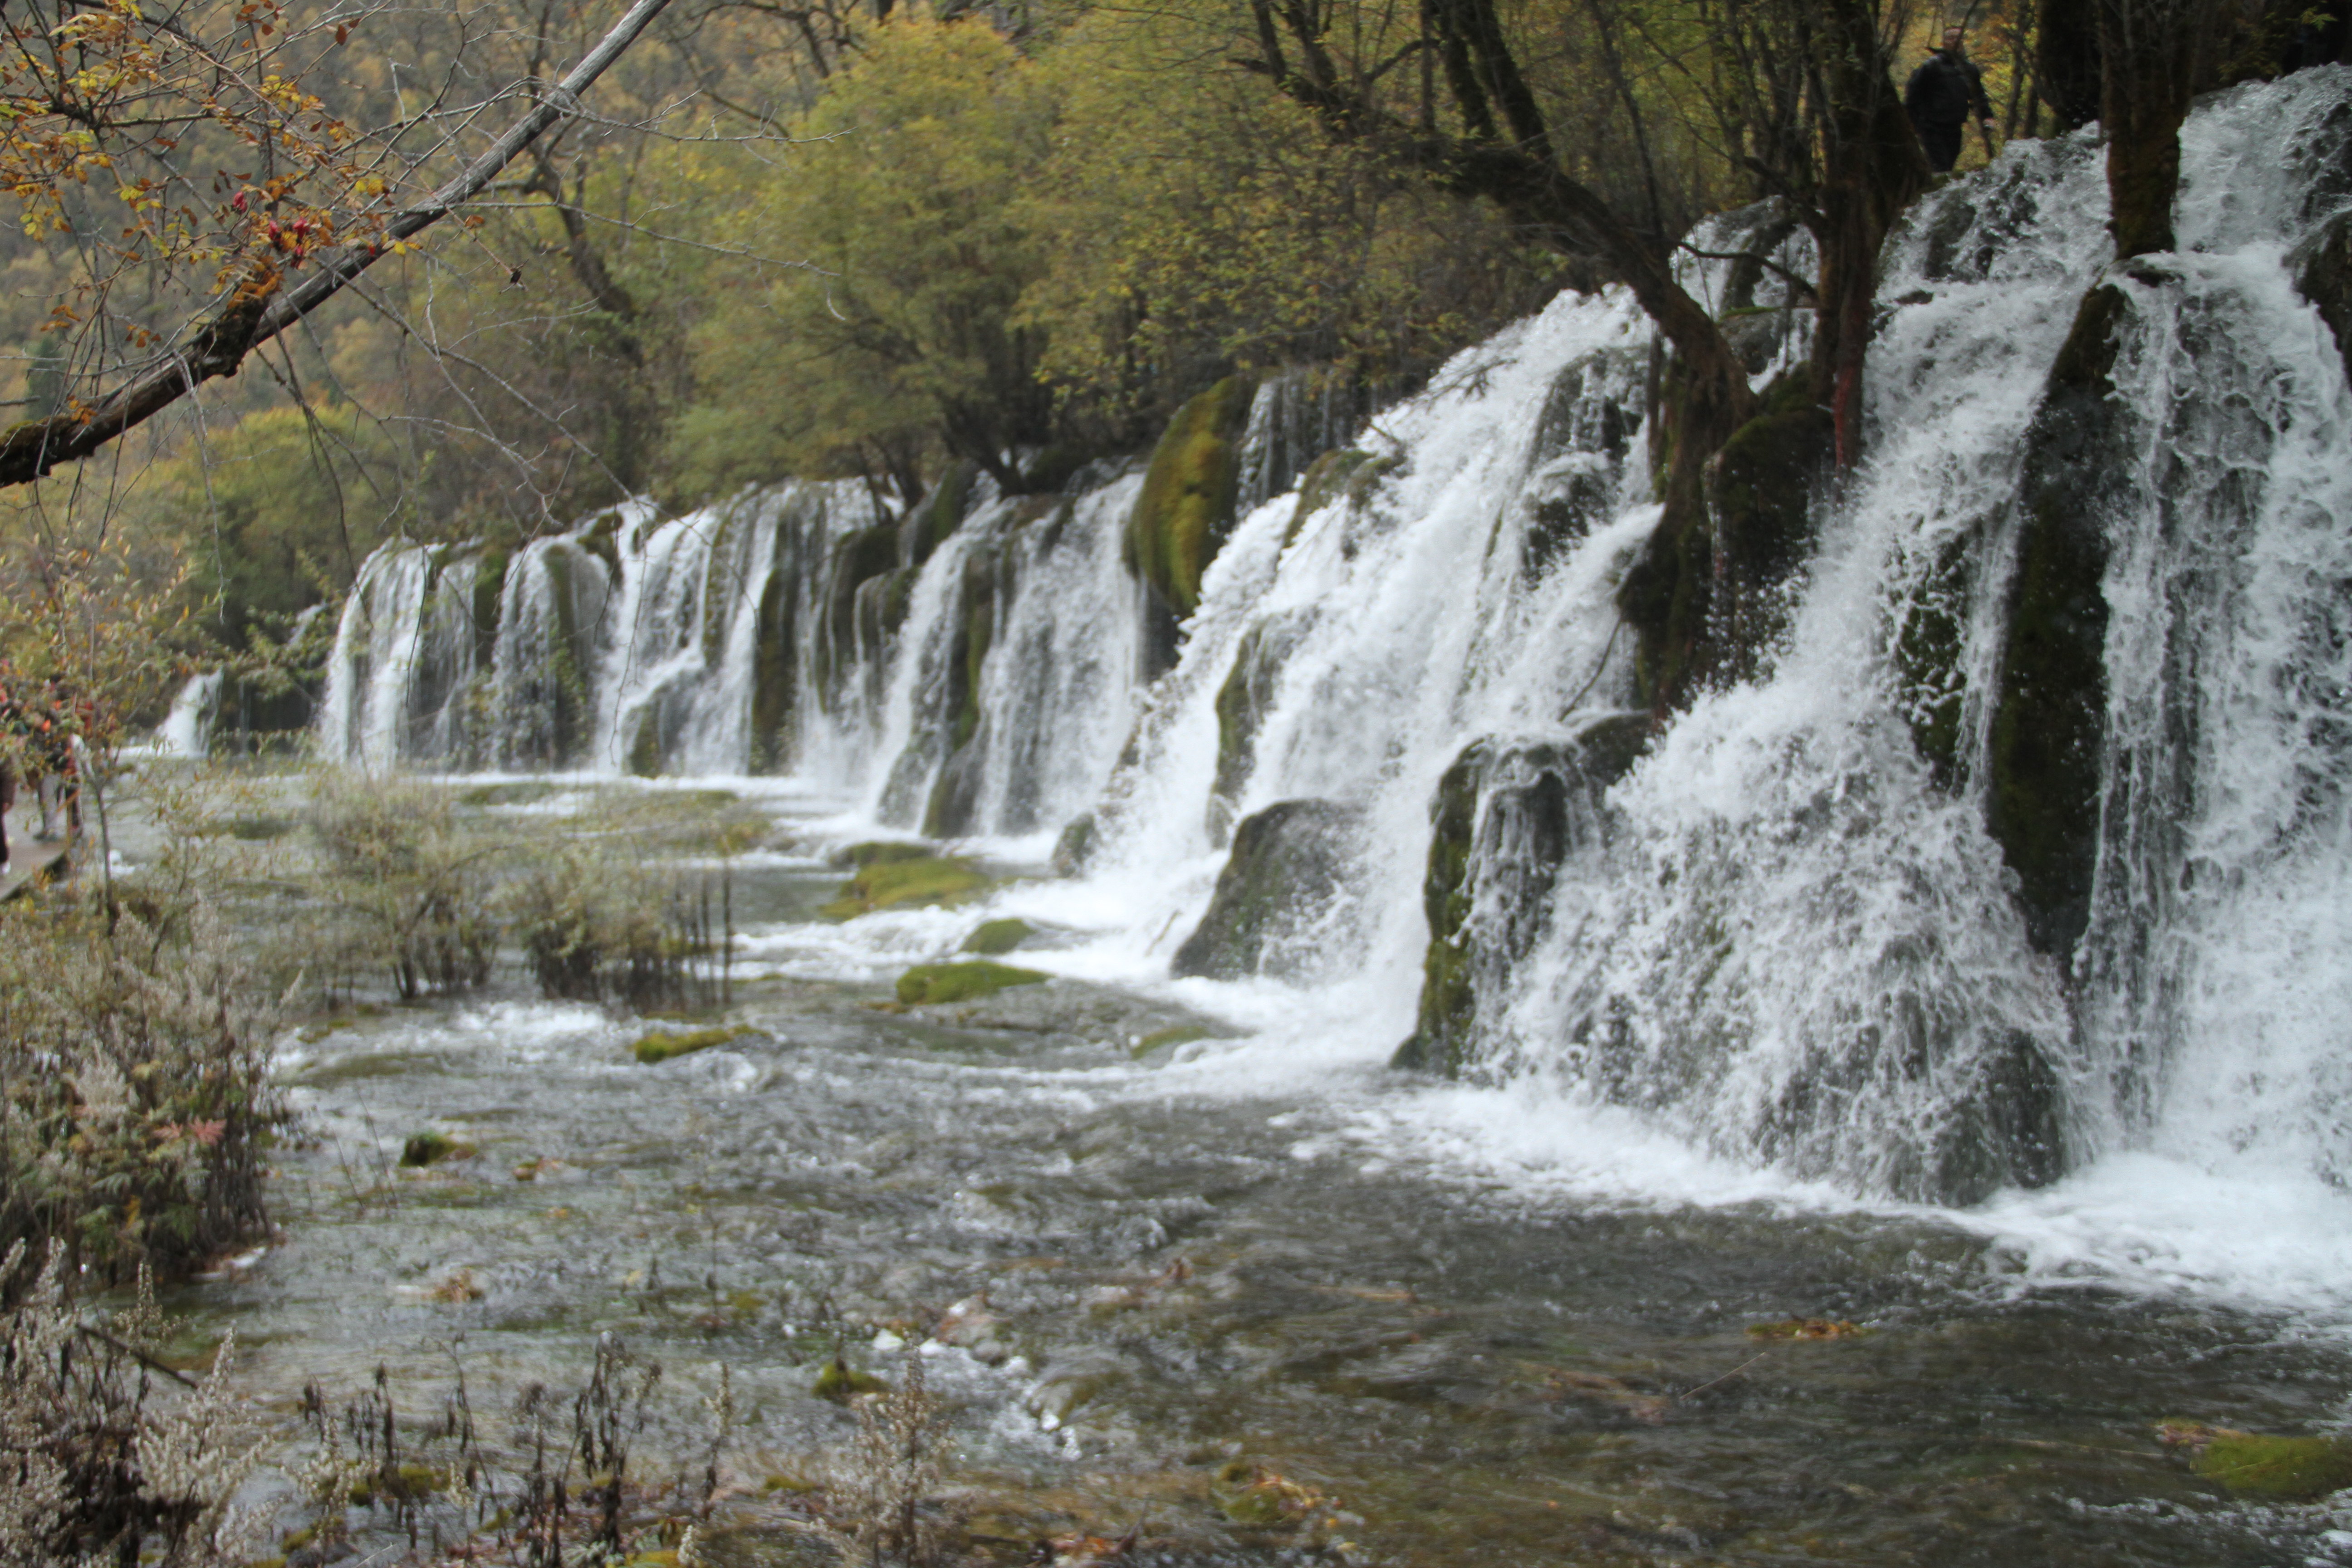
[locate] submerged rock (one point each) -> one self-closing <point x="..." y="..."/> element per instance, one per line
<point x="1288" y="866"/>
<point x="2296" y="1467"/>
<point x="664" y="1044"/>
<point x="968" y="982"/>
<point x="892" y="880"/>
<point x="424" y="1148"/>
<point x="996" y="937"/>
<point x="839" y="1383"/>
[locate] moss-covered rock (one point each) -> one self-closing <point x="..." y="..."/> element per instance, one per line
<point x="667" y="1045"/>
<point x="2049" y="716"/>
<point x="2009" y="1131"/>
<point x="1287" y="865"/>
<point x="1573" y="420"/>
<point x="840" y="1383"/>
<point x="1505" y="820"/>
<point x="1242" y="705"/>
<point x="1190" y="492"/>
<point x="423" y="1149"/>
<point x="967" y="982"/>
<point x="1759" y="492"/>
<point x="1073" y="850"/>
<point x="927" y="527"/>
<point x="996" y="937"/>
<point x="1347" y="473"/>
<point x="2262" y="1465"/>
<point x="1562" y="509"/>
<point x="899" y="883"/>
<point x="2322" y="269"/>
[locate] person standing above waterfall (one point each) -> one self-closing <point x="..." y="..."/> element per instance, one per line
<point x="1938" y="98"/>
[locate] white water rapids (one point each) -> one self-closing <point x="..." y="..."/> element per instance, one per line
<point x="1783" y="971"/>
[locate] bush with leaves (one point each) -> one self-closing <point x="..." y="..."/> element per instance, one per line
<point x="416" y="889"/>
<point x="135" y="1099"/>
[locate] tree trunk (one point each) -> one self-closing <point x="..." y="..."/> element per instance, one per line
<point x="2155" y="54"/>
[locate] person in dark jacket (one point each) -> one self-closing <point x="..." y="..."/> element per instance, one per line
<point x="1938" y="98"/>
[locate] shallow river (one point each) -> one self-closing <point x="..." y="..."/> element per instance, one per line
<point x="1171" y="1295"/>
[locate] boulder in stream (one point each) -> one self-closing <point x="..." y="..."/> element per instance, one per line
<point x="1288" y="868"/>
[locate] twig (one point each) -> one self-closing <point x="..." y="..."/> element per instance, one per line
<point x="150" y="1362"/>
<point x="1727" y="1377"/>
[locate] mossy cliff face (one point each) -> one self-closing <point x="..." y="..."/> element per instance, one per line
<point x="867" y="553"/>
<point x="2050" y="703"/>
<point x="1190" y="492"/>
<point x="1760" y="498"/>
<point x="775" y="678"/>
<point x="1705" y="598"/>
<point x="955" y="798"/>
<point x="1507" y="816"/>
<point x="927" y="527"/>
<point x="1287" y="869"/>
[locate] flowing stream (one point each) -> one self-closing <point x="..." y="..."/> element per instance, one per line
<point x="1742" y="1032"/>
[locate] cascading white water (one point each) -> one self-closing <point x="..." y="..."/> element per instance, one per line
<point x="364" y="715"/>
<point x="1782" y="936"/>
<point x="550" y="627"/>
<point x="186" y="729"/>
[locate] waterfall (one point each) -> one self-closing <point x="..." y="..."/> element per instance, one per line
<point x="186" y="729"/>
<point x="1777" y="926"/>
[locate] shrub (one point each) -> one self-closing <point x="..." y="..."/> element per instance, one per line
<point x="416" y="886"/>
<point x="135" y="1097"/>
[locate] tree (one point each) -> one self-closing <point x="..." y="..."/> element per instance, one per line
<point x="900" y="194"/>
<point x="105" y="93"/>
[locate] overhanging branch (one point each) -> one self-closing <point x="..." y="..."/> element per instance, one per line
<point x="263" y="305"/>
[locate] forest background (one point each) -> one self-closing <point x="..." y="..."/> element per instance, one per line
<point x="827" y="241"/>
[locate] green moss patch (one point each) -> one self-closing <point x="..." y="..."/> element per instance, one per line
<point x="424" y="1148"/>
<point x="1186" y="510"/>
<point x="962" y="982"/>
<point x="2265" y="1465"/>
<point x="519" y="793"/>
<point x="889" y="884"/>
<point x="840" y="1384"/>
<point x="662" y="1044"/>
<point x="999" y="936"/>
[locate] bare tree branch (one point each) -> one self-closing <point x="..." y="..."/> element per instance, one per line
<point x="262" y="307"/>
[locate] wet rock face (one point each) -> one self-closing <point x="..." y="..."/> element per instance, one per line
<point x="1507" y="816"/>
<point x="1287" y="870"/>
<point x="2322" y="269"/>
<point x="1759" y="496"/>
<point x="2010" y="1130"/>
<point x="1243" y="703"/>
<point x="2049" y="713"/>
